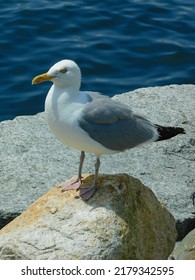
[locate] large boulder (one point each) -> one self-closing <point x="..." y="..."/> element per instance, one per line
<point x="123" y="220"/>
<point x="32" y="161"/>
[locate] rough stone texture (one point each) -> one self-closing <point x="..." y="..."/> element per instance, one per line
<point x="32" y="161"/>
<point x="185" y="250"/>
<point x="124" y="220"/>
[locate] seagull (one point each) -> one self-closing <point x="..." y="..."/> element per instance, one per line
<point x="93" y="123"/>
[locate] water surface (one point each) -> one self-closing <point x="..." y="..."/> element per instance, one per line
<point x="119" y="45"/>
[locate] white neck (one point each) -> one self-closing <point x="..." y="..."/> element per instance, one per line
<point x="65" y="93"/>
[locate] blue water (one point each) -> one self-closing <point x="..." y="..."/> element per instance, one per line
<point x="119" y="45"/>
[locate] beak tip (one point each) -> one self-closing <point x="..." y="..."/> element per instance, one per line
<point x="34" y="81"/>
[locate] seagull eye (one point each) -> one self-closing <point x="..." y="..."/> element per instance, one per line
<point x="63" y="70"/>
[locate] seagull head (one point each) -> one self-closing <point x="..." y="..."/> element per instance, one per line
<point x="64" y="73"/>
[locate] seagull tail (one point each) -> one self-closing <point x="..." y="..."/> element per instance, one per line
<point x="166" y="132"/>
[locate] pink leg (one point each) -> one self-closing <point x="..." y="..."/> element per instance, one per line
<point x="87" y="193"/>
<point x="74" y="184"/>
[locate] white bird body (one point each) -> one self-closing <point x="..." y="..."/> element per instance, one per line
<point x="63" y="110"/>
<point x="93" y="123"/>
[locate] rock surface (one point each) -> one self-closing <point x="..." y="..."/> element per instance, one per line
<point x="185" y="250"/>
<point x="124" y="220"/>
<point x="32" y="161"/>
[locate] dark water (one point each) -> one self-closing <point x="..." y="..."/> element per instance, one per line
<point x="119" y="45"/>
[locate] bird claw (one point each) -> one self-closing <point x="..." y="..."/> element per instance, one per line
<point x="70" y="185"/>
<point x="76" y="184"/>
<point x="87" y="193"/>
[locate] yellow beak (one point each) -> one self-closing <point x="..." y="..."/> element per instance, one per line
<point x="42" y="78"/>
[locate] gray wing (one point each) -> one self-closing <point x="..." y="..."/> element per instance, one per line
<point x="114" y="125"/>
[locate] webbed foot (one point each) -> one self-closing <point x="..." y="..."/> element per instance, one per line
<point x="70" y="185"/>
<point x="87" y="193"/>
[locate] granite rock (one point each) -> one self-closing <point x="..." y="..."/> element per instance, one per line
<point x="123" y="220"/>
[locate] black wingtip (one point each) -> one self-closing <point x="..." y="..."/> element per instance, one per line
<point x="165" y="132"/>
